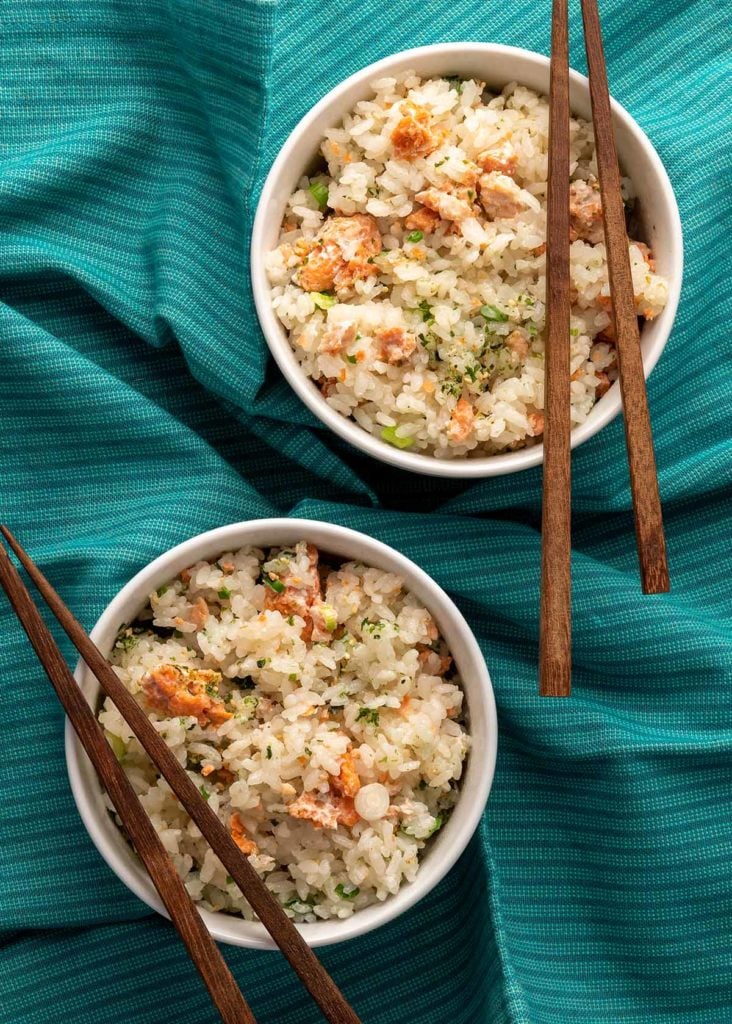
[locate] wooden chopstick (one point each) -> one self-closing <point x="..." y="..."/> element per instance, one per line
<point x="650" y="539"/>
<point x="203" y="950"/>
<point x="311" y="972"/>
<point x="555" y="655"/>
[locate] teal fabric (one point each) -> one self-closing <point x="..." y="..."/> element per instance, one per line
<point x="138" y="408"/>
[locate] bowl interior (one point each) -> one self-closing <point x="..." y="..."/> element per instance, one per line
<point x="439" y="856"/>
<point x="497" y="65"/>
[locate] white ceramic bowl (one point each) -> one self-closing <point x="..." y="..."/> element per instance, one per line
<point x="452" y="839"/>
<point x="497" y="65"/>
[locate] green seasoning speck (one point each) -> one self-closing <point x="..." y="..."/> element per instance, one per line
<point x="347" y="891"/>
<point x="352" y="359"/>
<point x="456" y="84"/>
<point x="162" y="590"/>
<point x="293" y="677"/>
<point x="212" y="689"/>
<point x="415" y="236"/>
<point x="319" y="192"/>
<point x="437" y="825"/>
<point x="229" y="880"/>
<point x="269" y="753"/>
<point x="323" y="300"/>
<point x="224" y="593"/>
<point x="204" y="792"/>
<point x="441" y="162"/>
<point x="262" y="662"/>
<point x="368" y="715"/>
<point x="290" y="620"/>
<point x="493" y="313"/>
<point x="390" y="434"/>
<point x="426" y="310"/>
<point x="574" y="331"/>
<point x="274" y="584"/>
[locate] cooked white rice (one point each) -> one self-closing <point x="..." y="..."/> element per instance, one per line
<point x="474" y="384"/>
<point x="265" y="691"/>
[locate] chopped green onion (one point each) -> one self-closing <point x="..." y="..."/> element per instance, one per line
<point x="330" y="618"/>
<point x="224" y="593"/>
<point x="493" y="313"/>
<point x="229" y="880"/>
<point x="319" y="192"/>
<point x="162" y="590"/>
<point x="441" y="162"/>
<point x="274" y="584"/>
<point x="347" y="891"/>
<point x="574" y="331"/>
<point x="368" y="715"/>
<point x="269" y="753"/>
<point x="323" y="300"/>
<point x="262" y="662"/>
<point x="437" y="825"/>
<point x="204" y="792"/>
<point x="456" y="83"/>
<point x="352" y="359"/>
<point x="390" y="435"/>
<point x="415" y="236"/>
<point x="117" y="744"/>
<point x="212" y="689"/>
<point x="290" y="620"/>
<point x="426" y="310"/>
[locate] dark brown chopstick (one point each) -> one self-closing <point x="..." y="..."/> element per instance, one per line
<point x="202" y="949"/>
<point x="650" y="538"/>
<point x="311" y="972"/>
<point x="555" y="655"/>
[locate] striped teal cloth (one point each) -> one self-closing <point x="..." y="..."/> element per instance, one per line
<point x="138" y="407"/>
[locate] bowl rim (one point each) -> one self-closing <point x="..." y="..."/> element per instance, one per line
<point x="460" y="827"/>
<point x="609" y="406"/>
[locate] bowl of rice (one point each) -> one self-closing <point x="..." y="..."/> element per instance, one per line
<point x="398" y="259"/>
<point x="329" y="701"/>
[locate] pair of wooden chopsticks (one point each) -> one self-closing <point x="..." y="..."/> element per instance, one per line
<point x="555" y="659"/>
<point x="203" y="951"/>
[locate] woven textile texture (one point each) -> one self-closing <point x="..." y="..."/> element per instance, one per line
<point x="138" y="407"/>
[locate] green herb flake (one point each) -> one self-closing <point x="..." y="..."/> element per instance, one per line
<point x="229" y="880"/>
<point x="323" y="300"/>
<point x="269" y="753"/>
<point x="368" y="715"/>
<point x="212" y="689"/>
<point x="389" y="434"/>
<point x="224" y="594"/>
<point x="352" y="360"/>
<point x="574" y="331"/>
<point x="290" y="620"/>
<point x="273" y="583"/>
<point x="262" y="662"/>
<point x="456" y="83"/>
<point x="162" y="590"/>
<point x="415" y="236"/>
<point x="347" y="891"/>
<point x="204" y="792"/>
<point x="441" y="162"/>
<point x="292" y="677"/>
<point x="493" y="314"/>
<point x="319" y="192"/>
<point x="426" y="310"/>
